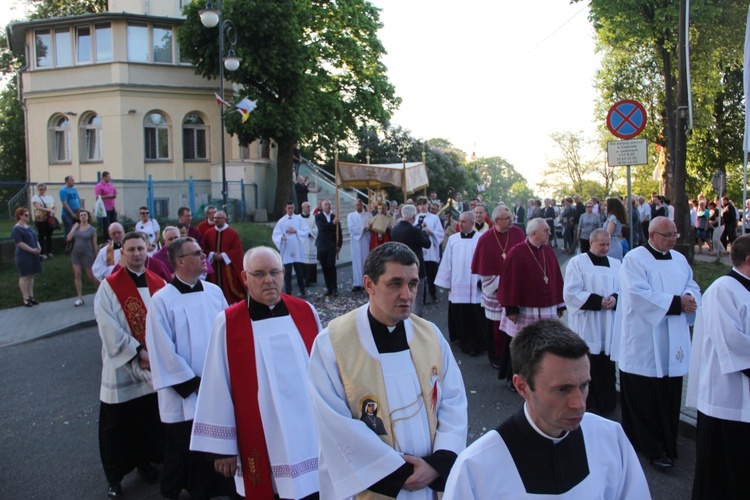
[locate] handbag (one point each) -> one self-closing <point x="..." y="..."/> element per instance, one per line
<point x="69" y="246"/>
<point x="53" y="222"/>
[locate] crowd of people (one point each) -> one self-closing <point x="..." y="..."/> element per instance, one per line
<point x="214" y="369"/>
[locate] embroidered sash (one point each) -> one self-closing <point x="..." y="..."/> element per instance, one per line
<point x="362" y="375"/>
<point x="110" y="255"/>
<point x="131" y="302"/>
<point x="255" y="465"/>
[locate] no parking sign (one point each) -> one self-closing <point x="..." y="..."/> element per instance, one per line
<point x="626" y="119"/>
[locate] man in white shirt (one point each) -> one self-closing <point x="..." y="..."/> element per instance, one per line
<point x="254" y="408"/>
<point x="380" y="362"/>
<point x="109" y="255"/>
<point x="359" y="242"/>
<point x="178" y="328"/>
<point x="719" y="382"/>
<point x="656" y="306"/>
<point x="149" y="227"/>
<point x="289" y="236"/>
<point x="433" y="226"/>
<point x="551" y="448"/>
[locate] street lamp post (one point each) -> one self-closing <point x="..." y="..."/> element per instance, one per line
<point x="211" y="17"/>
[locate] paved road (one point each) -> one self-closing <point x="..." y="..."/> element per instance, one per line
<point x="49" y="412"/>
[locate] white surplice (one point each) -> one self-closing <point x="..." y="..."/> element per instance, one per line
<point x="284" y="400"/>
<point x="100" y="268"/>
<point x="455" y="270"/>
<point x="721" y="350"/>
<point x="487" y="470"/>
<point x="122" y="378"/>
<point x="311" y="251"/>
<point x="434" y="224"/>
<point x="647" y="341"/>
<point x="583" y="278"/>
<point x="291" y="246"/>
<point x="352" y="456"/>
<point x="359" y="243"/>
<point x="178" y="328"/>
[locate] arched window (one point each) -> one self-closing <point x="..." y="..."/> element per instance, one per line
<point x="156" y="135"/>
<point x="59" y="139"/>
<point x="91" y="138"/>
<point x="194" y="138"/>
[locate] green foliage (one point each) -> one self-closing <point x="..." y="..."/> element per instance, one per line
<point x="314" y="66"/>
<point x="572" y="171"/>
<point x="502" y="181"/>
<point x="45" y="9"/>
<point x="638" y="41"/>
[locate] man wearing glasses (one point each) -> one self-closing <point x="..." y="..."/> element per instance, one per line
<point x="149" y="227"/>
<point x="254" y="407"/>
<point x="178" y="329"/>
<point x="657" y="304"/>
<point x="224" y="248"/>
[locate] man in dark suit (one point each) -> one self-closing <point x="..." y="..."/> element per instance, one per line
<point x="416" y="239"/>
<point x="519" y="215"/>
<point x="329" y="245"/>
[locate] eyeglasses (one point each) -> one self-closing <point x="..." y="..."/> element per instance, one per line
<point x="668" y="235"/>
<point x="261" y="275"/>
<point x="589" y="206"/>
<point x="504" y="218"/>
<point x="143" y="213"/>
<point x="197" y="253"/>
<point x="25" y="215"/>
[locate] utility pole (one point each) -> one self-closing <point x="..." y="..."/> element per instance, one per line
<point x="680" y="198"/>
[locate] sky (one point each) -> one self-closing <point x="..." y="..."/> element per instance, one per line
<point x="494" y="77"/>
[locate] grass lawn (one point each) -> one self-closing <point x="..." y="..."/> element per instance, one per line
<point x="705" y="273"/>
<point x="56" y="280"/>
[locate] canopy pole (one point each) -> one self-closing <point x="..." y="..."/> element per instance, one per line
<point x="403" y="177"/>
<point x="336" y="182"/>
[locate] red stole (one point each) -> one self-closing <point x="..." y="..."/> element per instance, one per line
<point x="256" y="468"/>
<point x="488" y="257"/>
<point x="131" y="302"/>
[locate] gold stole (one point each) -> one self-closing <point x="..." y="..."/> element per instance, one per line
<point x="362" y="375"/>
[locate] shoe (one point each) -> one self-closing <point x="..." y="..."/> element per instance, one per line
<point x="335" y="293"/>
<point x="494" y="365"/>
<point x="49" y="255"/>
<point x="27" y="303"/>
<point x="303" y="294"/>
<point x="78" y="303"/>
<point x="328" y="292"/>
<point x="663" y="462"/>
<point x="149" y="474"/>
<point x="511" y="387"/>
<point x="42" y="257"/>
<point x="434" y="298"/>
<point x="114" y="490"/>
<point x="33" y="301"/>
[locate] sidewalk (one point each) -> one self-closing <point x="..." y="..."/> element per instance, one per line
<point x="24" y="324"/>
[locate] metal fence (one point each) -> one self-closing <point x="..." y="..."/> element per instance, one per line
<point x="163" y="198"/>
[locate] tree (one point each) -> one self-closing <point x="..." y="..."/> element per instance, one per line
<point x="568" y="172"/>
<point x="44" y="9"/>
<point x="314" y="66"/>
<point x="501" y="180"/>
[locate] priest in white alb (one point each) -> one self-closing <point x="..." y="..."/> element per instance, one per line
<point x="289" y="236"/>
<point x="656" y="306"/>
<point x="359" y="242"/>
<point x="552" y="447"/>
<point x="433" y="226"/>
<point x="592" y="282"/>
<point x="719" y="383"/>
<point x="178" y="327"/>
<point x="401" y="366"/>
<point x="254" y="410"/>
<point x="465" y="316"/>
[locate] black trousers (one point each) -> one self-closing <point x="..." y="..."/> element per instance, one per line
<point x="311" y="274"/>
<point x="466" y="322"/>
<point x="130" y="435"/>
<point x="431" y="268"/>
<point x="728" y="235"/>
<point x="190" y="470"/>
<point x="651" y="413"/>
<point x="327" y="259"/>
<point x="45" y="236"/>
<point x="602" y="396"/>
<point x="721" y="459"/>
<point x="299" y="269"/>
<point x="104" y="223"/>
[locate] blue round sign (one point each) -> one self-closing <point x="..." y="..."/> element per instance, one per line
<point x="626" y="119"/>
